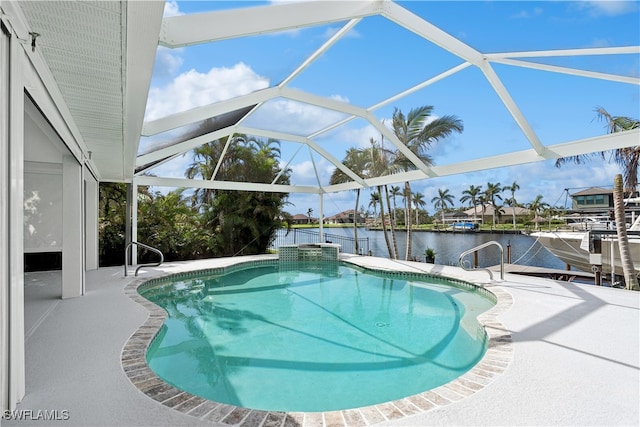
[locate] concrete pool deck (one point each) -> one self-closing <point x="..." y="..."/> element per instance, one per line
<point x="573" y="357"/>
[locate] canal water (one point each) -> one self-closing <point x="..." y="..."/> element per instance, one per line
<point x="448" y="246"/>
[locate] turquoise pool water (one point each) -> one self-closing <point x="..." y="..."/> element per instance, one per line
<point x="315" y="337"/>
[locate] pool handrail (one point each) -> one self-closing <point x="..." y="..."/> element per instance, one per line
<point x="484" y="245"/>
<point x="152" y="249"/>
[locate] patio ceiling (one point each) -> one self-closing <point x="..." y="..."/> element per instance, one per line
<point x="101" y="55"/>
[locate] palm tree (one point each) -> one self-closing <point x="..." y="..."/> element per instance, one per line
<point x="537" y="205"/>
<point x="269" y="147"/>
<point x="203" y="166"/>
<point x="405" y="200"/>
<point x="309" y="213"/>
<point x="512" y="200"/>
<point x="373" y="203"/>
<point x="442" y="201"/>
<point x="491" y="194"/>
<point x="392" y="222"/>
<point x="418" y="202"/>
<point x="630" y="279"/>
<point x="482" y="200"/>
<point x="418" y="132"/>
<point x="355" y="160"/>
<point x="471" y="194"/>
<point x="377" y="165"/>
<point x="395" y="192"/>
<point x="627" y="158"/>
<point x="240" y="221"/>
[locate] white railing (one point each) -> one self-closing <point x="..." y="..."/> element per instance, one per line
<point x="152" y="249"/>
<point x="484" y="245"/>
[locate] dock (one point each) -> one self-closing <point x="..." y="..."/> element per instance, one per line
<point x="548" y="273"/>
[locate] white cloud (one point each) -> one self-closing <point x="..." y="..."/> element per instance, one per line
<point x="168" y="62"/>
<point x="171" y="8"/>
<point x="174" y="168"/>
<point x="339" y="98"/>
<point x="526" y="14"/>
<point x="193" y="89"/>
<point x="303" y="173"/>
<point x="352" y="33"/>
<point x="293" y="117"/>
<point x="608" y="7"/>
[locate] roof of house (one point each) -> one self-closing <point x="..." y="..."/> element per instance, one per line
<point x="506" y="210"/>
<point x="302" y="216"/>
<point x="592" y="191"/>
<point x="343" y="214"/>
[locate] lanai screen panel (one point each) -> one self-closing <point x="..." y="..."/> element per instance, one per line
<point x="314" y="72"/>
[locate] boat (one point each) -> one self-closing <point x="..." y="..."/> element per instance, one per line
<point x="464" y="226"/>
<point x="592" y="244"/>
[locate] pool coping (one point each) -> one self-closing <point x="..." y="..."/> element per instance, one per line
<point x="133" y="361"/>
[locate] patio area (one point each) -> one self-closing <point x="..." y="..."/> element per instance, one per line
<point x="574" y="357"/>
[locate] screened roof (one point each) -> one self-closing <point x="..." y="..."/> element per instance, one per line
<point x="324" y="76"/>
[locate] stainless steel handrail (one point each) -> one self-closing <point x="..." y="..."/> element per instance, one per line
<point x="484" y="245"/>
<point x="152" y="249"/>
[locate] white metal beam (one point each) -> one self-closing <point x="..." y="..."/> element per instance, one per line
<point x="315" y="168"/>
<point x="286" y="167"/>
<point x="318" y="53"/>
<point x="422" y="85"/>
<point x="320" y="101"/>
<point x="391" y="137"/>
<point x="612" y="141"/>
<point x="396" y="178"/>
<point x="394" y="98"/>
<point x="512" y="107"/>
<point x="360" y="112"/>
<point x="225" y="185"/>
<point x="570" y="71"/>
<point x="428" y="31"/>
<point x="182" y="147"/>
<point x="566" y="52"/>
<point x="199" y="114"/>
<point x="221" y="158"/>
<point x="184" y="30"/>
<point x="566" y="149"/>
<point x="302" y="140"/>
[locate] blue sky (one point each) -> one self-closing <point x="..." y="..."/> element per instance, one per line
<point x="378" y="59"/>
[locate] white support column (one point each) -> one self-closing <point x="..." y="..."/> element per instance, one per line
<point x="72" y="229"/>
<point x="91" y="195"/>
<point x="15" y="217"/>
<point x="5" y="246"/>
<point x="321" y="219"/>
<point x="134" y="221"/>
<point x="4" y="223"/>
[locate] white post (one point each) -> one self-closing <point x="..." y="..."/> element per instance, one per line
<point x="72" y="228"/>
<point x="13" y="165"/>
<point x="321" y="220"/>
<point x="134" y="222"/>
<point x="612" y="259"/>
<point x="5" y="246"/>
<point x="91" y="196"/>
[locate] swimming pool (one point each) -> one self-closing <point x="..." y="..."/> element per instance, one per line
<point x="313" y="337"/>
